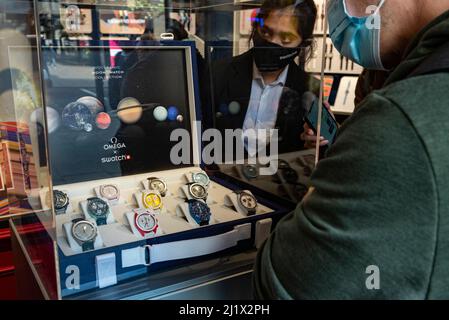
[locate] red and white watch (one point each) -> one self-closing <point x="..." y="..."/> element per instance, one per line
<point x="145" y="222"/>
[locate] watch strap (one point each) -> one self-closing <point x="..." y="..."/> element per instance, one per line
<point x="88" y="245"/>
<point x="251" y="212"/>
<point x="62" y="210"/>
<point x="77" y="220"/>
<point x="101" y="221"/>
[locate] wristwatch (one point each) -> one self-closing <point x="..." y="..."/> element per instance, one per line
<point x="84" y="232"/>
<point x="151" y="200"/>
<point x="60" y="201"/>
<point x="197" y="190"/>
<point x="282" y="164"/>
<point x="201" y="177"/>
<point x="98" y="209"/>
<point x="250" y="171"/>
<point x="158" y="185"/>
<point x="199" y="211"/>
<point x="290" y="175"/>
<point x="110" y="192"/>
<point x="247" y="201"/>
<point x="145" y="222"/>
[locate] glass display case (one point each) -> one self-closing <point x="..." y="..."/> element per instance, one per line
<point x="112" y="109"/>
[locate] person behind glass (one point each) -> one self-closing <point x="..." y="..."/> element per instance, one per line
<point x="263" y="87"/>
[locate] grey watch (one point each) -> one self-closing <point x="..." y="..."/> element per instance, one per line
<point x="60" y="201"/>
<point x="197" y="190"/>
<point x="158" y="185"/>
<point x="98" y="209"/>
<point x="84" y="232"/>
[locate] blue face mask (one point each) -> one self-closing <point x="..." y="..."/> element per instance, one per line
<point x="357" y="38"/>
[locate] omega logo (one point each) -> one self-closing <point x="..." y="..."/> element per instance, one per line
<point x="114" y="145"/>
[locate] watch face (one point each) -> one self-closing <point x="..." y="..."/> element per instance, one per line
<point x="84" y="231"/>
<point x="109" y="192"/>
<point x="60" y="199"/>
<point x="146" y="222"/>
<point x="97" y="207"/>
<point x="201" y="177"/>
<point x="152" y="201"/>
<point x="198" y="191"/>
<point x="248" y="201"/>
<point x="250" y="171"/>
<point x="200" y="212"/>
<point x="158" y="185"/>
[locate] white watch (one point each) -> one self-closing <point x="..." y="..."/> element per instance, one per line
<point x="111" y="192"/>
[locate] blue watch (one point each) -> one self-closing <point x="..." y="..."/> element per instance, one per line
<point x="98" y="209"/>
<point x="250" y="171"/>
<point x="199" y="211"/>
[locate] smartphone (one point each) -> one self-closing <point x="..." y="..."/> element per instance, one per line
<point x="328" y="124"/>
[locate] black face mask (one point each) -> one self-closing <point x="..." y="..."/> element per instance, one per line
<point x="270" y="56"/>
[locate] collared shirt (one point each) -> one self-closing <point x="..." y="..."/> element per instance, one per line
<point x="262" y="109"/>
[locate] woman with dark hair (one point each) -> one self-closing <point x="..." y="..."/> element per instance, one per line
<point x="263" y="88"/>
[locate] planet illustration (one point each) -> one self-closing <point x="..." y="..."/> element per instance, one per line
<point x="129" y="110"/>
<point x="77" y="116"/>
<point x="223" y="109"/>
<point x="103" y="120"/>
<point x="53" y="120"/>
<point x="160" y="113"/>
<point x="180" y="118"/>
<point x="234" y="107"/>
<point x="173" y="113"/>
<point x="92" y="103"/>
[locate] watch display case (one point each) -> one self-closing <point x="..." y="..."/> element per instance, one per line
<point x="111" y="116"/>
<point x="114" y="129"/>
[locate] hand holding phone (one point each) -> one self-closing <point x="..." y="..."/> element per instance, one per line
<point x="328" y="124"/>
